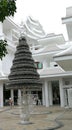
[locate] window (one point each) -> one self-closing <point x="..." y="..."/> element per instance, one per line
<point x="38" y="65"/>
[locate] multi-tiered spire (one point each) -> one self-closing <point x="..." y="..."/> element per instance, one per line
<point x="23" y="71"/>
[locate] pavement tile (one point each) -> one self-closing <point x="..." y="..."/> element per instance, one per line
<point x="42" y="118"/>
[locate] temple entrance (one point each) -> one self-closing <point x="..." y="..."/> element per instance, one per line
<point x="6" y="96"/>
<point x="56" y="92"/>
<point x="39" y="94"/>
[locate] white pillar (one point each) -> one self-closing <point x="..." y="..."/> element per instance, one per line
<point x="62" y="101"/>
<point x="19" y="96"/>
<point x="19" y="93"/>
<point x="70" y="97"/>
<point x="50" y="93"/>
<point x="43" y="95"/>
<point x="1" y="94"/>
<point x="46" y="94"/>
<point x="12" y="95"/>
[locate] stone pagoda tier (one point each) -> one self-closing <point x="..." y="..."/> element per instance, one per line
<point x="23" y="71"/>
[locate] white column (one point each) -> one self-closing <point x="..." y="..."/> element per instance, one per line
<point x="12" y="95"/>
<point x="19" y="93"/>
<point x="1" y="94"/>
<point x="43" y="95"/>
<point x="62" y="101"/>
<point x="70" y="97"/>
<point x="46" y="94"/>
<point x="66" y="97"/>
<point x="50" y="93"/>
<point x="19" y="96"/>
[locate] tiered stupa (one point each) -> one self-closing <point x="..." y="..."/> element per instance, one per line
<point x="23" y="71"/>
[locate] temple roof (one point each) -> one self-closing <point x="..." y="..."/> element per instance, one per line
<point x="33" y="29"/>
<point x="64" y="58"/>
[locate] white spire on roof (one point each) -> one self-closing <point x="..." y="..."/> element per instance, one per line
<point x="33" y="29"/>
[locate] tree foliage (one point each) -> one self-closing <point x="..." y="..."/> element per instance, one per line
<point x="7" y="8"/>
<point x="3" y="49"/>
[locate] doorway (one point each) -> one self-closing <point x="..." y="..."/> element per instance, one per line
<point x="38" y="93"/>
<point x="6" y="96"/>
<point x="56" y="92"/>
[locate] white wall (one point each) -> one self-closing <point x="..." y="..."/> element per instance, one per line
<point x="7" y="62"/>
<point x="45" y="64"/>
<point x="67" y="81"/>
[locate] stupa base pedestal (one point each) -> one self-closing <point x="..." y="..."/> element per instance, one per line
<point x="26" y="107"/>
<point x="25" y="118"/>
<point x="25" y="122"/>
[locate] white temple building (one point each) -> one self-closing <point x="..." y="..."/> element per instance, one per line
<point x="64" y="57"/>
<point x="52" y="55"/>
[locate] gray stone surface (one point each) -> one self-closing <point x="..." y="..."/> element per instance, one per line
<point x="45" y="119"/>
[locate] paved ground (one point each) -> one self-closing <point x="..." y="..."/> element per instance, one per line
<point x="42" y="118"/>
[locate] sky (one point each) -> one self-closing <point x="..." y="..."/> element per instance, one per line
<point x="47" y="12"/>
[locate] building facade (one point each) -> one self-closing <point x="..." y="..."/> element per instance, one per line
<point x="56" y="80"/>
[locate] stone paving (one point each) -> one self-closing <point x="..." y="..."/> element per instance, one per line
<point x="42" y="118"/>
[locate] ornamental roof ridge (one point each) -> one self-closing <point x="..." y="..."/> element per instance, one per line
<point x="65" y="52"/>
<point x="32" y="28"/>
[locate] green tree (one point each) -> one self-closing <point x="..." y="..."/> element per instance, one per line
<point x="7" y="8"/>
